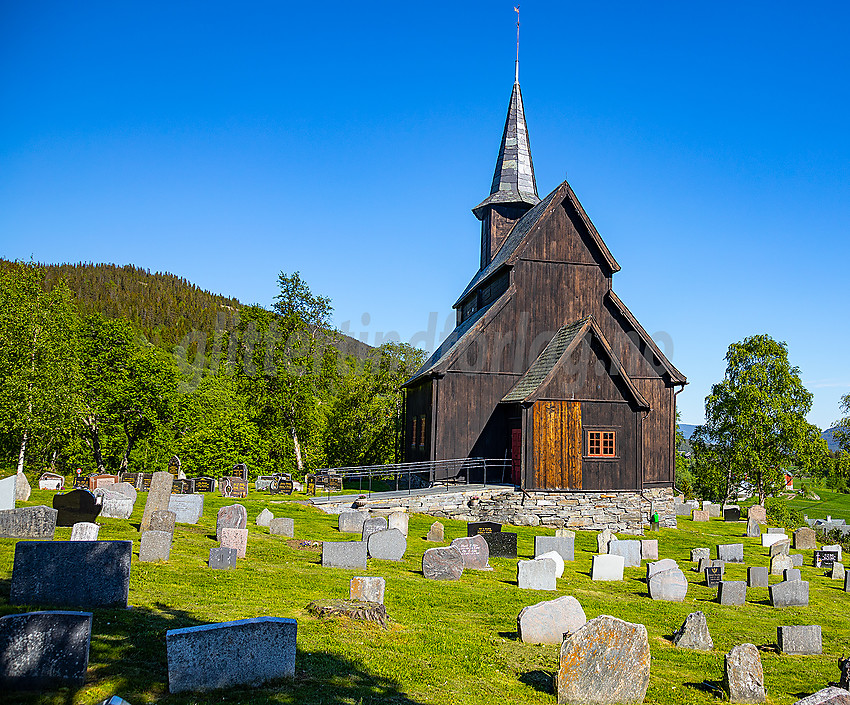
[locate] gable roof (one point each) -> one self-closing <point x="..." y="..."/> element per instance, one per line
<point x="563" y="343"/>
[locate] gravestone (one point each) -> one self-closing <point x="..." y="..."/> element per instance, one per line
<point x="780" y="547"/>
<point x="607" y="567"/>
<point x="825" y="559"/>
<point x="443" y="563"/>
<point x="629" y="550"/>
<point x="743" y="676"/>
<point x="779" y="563"/>
<point x="264" y="482"/>
<point x="797" y="560"/>
<point x="285" y="485"/>
<point x="731" y="514"/>
<point x="694" y="634"/>
<point x="730" y="552"/>
<point x="247" y="652"/>
<point x="548" y="621"/>
<point x="126" y="489"/>
<point x="344" y="554"/>
<point x="847" y="581"/>
<point x="155" y="546"/>
<point x="96" y="482"/>
<point x="660" y="566"/>
<point x="114" y="505"/>
<point x="649" y="549"/>
<point x="233" y="516"/>
<point x="827" y="696"/>
<point x="768" y="540"/>
<point x="205" y="483"/>
<point x="502" y="544"/>
<point x="793" y="593"/>
<point x="22" y="487"/>
<point x="389" y="545"/>
<point x="174" y="466"/>
<point x="74" y="506"/>
<point x="71" y="573"/>
<point x="222" y="558"/>
<point x="84" y="531"/>
<point x="282" y="526"/>
<point x="400" y="521"/>
<point x="352" y="522"/>
<point x="682" y="510"/>
<point x="792" y="574"/>
<point x="537" y="574"/>
<point x="698" y="554"/>
<point x="834" y="547"/>
<point x="603" y="538"/>
<point x="565" y="533"/>
<point x="805" y="539"/>
<point x="479" y="528"/>
<point x="7" y="493"/>
<point x="233" y="487"/>
<point x="700" y="515"/>
<point x="668" y="585"/>
<point x="235" y="538"/>
<point x="264" y="518"/>
<point x="757" y="513"/>
<point x="44" y="650"/>
<point x="183" y="486"/>
<point x="28" y="523"/>
<point x="240" y="471"/>
<point x="475" y="552"/>
<point x="615" y="673"/>
<point x="753" y="529"/>
<point x="564" y="546"/>
<point x="715" y="511"/>
<point x="837" y="572"/>
<point x="158" y="497"/>
<point x="757" y="576"/>
<point x="436" y="533"/>
<point x="713" y="575"/>
<point x="367" y="589"/>
<point x="709" y="563"/>
<point x="163" y="520"/>
<point x="776" y="530"/>
<point x="51" y="481"/>
<point x="555" y="556"/>
<point x="372" y="526"/>
<point x="188" y="508"/>
<point x="732" y="592"/>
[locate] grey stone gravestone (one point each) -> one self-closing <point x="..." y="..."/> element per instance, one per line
<point x="699" y="554"/>
<point x="776" y="530"/>
<point x="837" y="572"/>
<point x="793" y="593"/>
<point x="475" y="552"/>
<point x="834" y="547"/>
<point x="618" y="673"/>
<point x="732" y="592"/>
<point x="555" y="556"/>
<point x="780" y="547"/>
<point x="126" y="489"/>
<point x="352" y="522"/>
<point x="607" y="567"/>
<point x="565" y="533"/>
<point x="757" y="576"/>
<point x="235" y="538"/>
<point x="564" y="546"/>
<point x="799" y="639"/>
<point x="163" y="520"/>
<point x="367" y="589"/>
<point x="158" y="497"/>
<point x="715" y="511"/>
<point x="71" y="573"/>
<point x="603" y="538"/>
<point x="400" y="521"/>
<point x="668" y="585"/>
<point x="389" y="545"/>
<point x="757" y="513"/>
<point x="847" y="581"/>
<point x="22" y="488"/>
<point x="76" y="505"/>
<point x="282" y="526"/>
<point x="743" y="676"/>
<point x="264" y="517"/>
<point x="44" y="650"/>
<point x="730" y="552"/>
<point x="709" y="563"/>
<point x="649" y="549"/>
<point x="660" y="566"/>
<point x="155" y="546"/>
<point x="502" y="544"/>
<point x="188" y="508"/>
<point x="7" y="493"/>
<point x="537" y="575"/>
<point x="28" y="523"/>
<point x="768" y="540"/>
<point x="548" y="621"/>
<point x="84" y="531"/>
<point x="629" y="550"/>
<point x="222" y="558"/>
<point x="436" y="533"/>
<point x="779" y="563"/>
<point x="247" y="652"/>
<point x="792" y="574"/>
<point x="372" y="526"/>
<point x="443" y="563"/>
<point x="682" y="510"/>
<point x="694" y="634"/>
<point x="805" y="539"/>
<point x="797" y="560"/>
<point x="344" y="554"/>
<point x="700" y="515"/>
<point x="114" y="505"/>
<point x="753" y="529"/>
<point x="827" y="696"/>
<point x="233" y="516"/>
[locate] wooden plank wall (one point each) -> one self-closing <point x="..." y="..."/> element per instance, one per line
<point x="557" y="444"/>
<point x="658" y="438"/>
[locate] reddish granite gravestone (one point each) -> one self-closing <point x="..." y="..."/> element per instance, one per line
<point x="475" y="552"/>
<point x="444" y="563"/>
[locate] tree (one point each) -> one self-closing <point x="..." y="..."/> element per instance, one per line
<point x="755" y="423"/>
<point x="841" y="431"/>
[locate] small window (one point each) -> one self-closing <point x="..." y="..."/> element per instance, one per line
<point x="600" y="444"/>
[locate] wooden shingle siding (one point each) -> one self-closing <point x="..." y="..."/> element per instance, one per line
<point x="557" y="444"/>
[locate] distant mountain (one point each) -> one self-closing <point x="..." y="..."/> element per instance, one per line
<point x="687" y="429"/>
<point x="829" y="437"/>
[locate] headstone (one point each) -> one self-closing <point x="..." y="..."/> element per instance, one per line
<point x="548" y="621"/>
<point x="700" y="515"/>
<point x="564" y="546"/>
<point x="537" y="574"/>
<point x="233" y="516"/>
<point x="779" y="563"/>
<point x="603" y="538"/>
<point x="825" y="559"/>
<point x="757" y="513"/>
<point x="797" y="560"/>
<point x="124" y="488"/>
<point x="713" y="575"/>
<point x="629" y="550"/>
<point x="792" y="574"/>
<point x="367" y="589"/>
<point x="174" y="466"/>
<point x="731" y="514"/>
<point x="776" y="530"/>
<point x="163" y="520"/>
<point x="74" y="506"/>
<point x="51" y="481"/>
<point x="71" y="573"/>
<point x="607" y="567"/>
<point x="443" y="563"/>
<point x="222" y="558"/>
<point x="400" y="521"/>
<point x="158" y="497"/>
<point x="711" y="563"/>
<point x="436" y="533"/>
<point x="805" y="539"/>
<point x="715" y="511"/>
<point x="659" y="567"/>
<point x="372" y="526"/>
<point x="732" y="592"/>
<point x="770" y="539"/>
<point x="555" y="556"/>
<point x="730" y="552"/>
<point x="155" y="546"/>
<point x="753" y="529"/>
<point x="694" y="634"/>
<point x="479" y="528"/>
<point x="827" y="696"/>
<point x="264" y="482"/>
<point x="187" y="508"/>
<point x="282" y="526"/>
<point x="668" y="585"/>
<point x="475" y="552"/>
<point x="698" y="554"/>
<point x="22" y="488"/>
<point x="757" y="576"/>
<point x="649" y="549"/>
<point x="352" y="522"/>
<point x="847" y="581"/>
<point x="114" y="505"/>
<point x="793" y="593"/>
<point x="780" y="547"/>
<point x="204" y="484"/>
<point x="502" y="544"/>
<point x="285" y="485"/>
<point x="389" y="545"/>
<point x="234" y="487"/>
<point x="247" y="652"/>
<point x="44" y="650"/>
<point x="837" y="572"/>
<point x="344" y="554"/>
<point x="101" y="481"/>
<point x="682" y="510"/>
<point x="743" y="676"/>
<point x="264" y="517"/>
<point x="565" y="533"/>
<point x="618" y="672"/>
<point x="28" y="523"/>
<point x="833" y="547"/>
<point x="235" y="538"/>
<point x="7" y="492"/>
<point x="84" y="531"/>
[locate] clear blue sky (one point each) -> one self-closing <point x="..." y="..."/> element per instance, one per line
<point x="225" y="142"/>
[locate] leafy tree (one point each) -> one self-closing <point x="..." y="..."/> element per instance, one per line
<point x="841" y="431"/>
<point x="755" y="423"/>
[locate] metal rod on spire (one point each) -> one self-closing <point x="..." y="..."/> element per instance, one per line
<point x="516" y="66"/>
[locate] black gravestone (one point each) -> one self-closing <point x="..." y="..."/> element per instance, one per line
<point x="334" y="483"/>
<point x="81" y="482"/>
<point x="311" y="484"/>
<point x="284" y="485"/>
<point x="240" y="470"/>
<point x="203" y="484"/>
<point x="502" y="544"/>
<point x="174" y="465"/>
<point x="825" y="559"/>
<point x="732" y="514"/>
<point x="147" y="478"/>
<point x="75" y="506"/>
<point x="233" y="487"/>
<point x="480" y="528"/>
<point x="182" y="487"/>
<point x="132" y="478"/>
<point x="713" y="576"/>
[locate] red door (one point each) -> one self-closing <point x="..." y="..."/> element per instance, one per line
<point x="516" y="455"/>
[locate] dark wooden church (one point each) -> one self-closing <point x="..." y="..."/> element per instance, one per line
<point x="547" y="366"/>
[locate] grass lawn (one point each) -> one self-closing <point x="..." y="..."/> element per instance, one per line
<point x="447" y="642"/>
<point x="834" y="504"/>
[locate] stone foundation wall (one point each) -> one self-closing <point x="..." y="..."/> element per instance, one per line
<point x="622" y="512"/>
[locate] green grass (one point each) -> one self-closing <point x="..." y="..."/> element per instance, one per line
<point x="447" y="642"/>
<point x="834" y="504"/>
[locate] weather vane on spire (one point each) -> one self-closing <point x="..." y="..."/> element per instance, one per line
<point x="516" y="66"/>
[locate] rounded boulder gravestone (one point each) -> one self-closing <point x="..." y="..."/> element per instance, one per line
<point x="233" y="516"/>
<point x="668" y="585"/>
<point x="548" y="621"/>
<point x="372" y="526"/>
<point x="443" y="563"/>
<point x="352" y="522"/>
<point x="388" y="545"/>
<point x="475" y="552"/>
<point x="264" y="517"/>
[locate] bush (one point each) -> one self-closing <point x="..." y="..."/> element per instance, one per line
<point x="780" y="514"/>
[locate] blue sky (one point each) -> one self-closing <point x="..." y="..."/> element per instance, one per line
<point x="223" y="142"/>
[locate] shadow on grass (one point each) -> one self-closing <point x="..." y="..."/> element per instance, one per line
<point x="539" y="680"/>
<point x="712" y="687"/>
<point x="512" y="636"/>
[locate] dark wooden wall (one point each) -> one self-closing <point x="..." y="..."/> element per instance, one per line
<point x="418" y="404"/>
<point x="622" y="473"/>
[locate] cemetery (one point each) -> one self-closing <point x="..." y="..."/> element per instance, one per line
<point x="269" y="599"/>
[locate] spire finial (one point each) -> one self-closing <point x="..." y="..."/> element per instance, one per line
<point x="516" y="66"/>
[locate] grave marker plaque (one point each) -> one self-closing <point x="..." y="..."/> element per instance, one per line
<point x="825" y="559"/>
<point x="713" y="576"/>
<point x="174" y="466"/>
<point x="234" y="487"/>
<point x="481" y="528"/>
<point x="285" y="485"/>
<point x="311" y="485"/>
<point x="147" y="479"/>
<point x="204" y="484"/>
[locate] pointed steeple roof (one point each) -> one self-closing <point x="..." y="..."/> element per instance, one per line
<point x="513" y="180"/>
